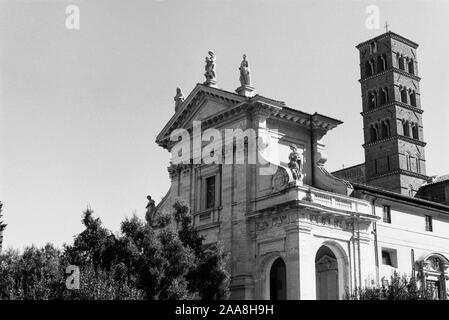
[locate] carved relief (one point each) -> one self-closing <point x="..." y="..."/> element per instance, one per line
<point x="280" y="179"/>
<point x="261" y="225"/>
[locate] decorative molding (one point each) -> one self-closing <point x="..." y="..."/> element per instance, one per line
<point x="393" y="103"/>
<point x="391" y="69"/>
<point x="398" y="137"/>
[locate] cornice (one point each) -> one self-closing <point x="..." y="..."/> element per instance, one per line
<point x="391" y="69"/>
<point x="392" y="35"/>
<point x="395" y="137"/>
<point x="393" y="103"/>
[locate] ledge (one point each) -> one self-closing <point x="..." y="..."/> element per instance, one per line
<point x="391" y="69"/>
<point x="395" y="137"/>
<point x="394" y="103"/>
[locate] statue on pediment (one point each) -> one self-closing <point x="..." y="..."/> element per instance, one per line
<point x="179" y="98"/>
<point x="210" y="69"/>
<point x="295" y="163"/>
<point x="245" y="79"/>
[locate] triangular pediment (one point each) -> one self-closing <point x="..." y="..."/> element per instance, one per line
<point x="202" y="103"/>
<point x="206" y="108"/>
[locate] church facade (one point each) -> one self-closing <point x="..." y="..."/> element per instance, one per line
<point x="252" y="170"/>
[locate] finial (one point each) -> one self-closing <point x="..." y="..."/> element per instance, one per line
<point x="386" y="26"/>
<point x="245" y="88"/>
<point x="210" y="75"/>
<point x="179" y="98"/>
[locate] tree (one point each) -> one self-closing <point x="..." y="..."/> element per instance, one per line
<point x="33" y="275"/>
<point x="161" y="258"/>
<point x="209" y="278"/>
<point x="398" y="288"/>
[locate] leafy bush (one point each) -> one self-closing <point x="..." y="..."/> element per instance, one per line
<point x="398" y="288"/>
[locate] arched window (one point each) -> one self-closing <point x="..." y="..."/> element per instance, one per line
<point x="406" y="128"/>
<point x="374" y="132"/>
<point x="418" y="163"/>
<point x="404" y="95"/>
<point x="415" y="131"/>
<point x="278" y="281"/>
<point x="369" y="67"/>
<point x="408" y="160"/>
<point x="383" y="96"/>
<point x="385" y="129"/>
<point x="381" y="63"/>
<point x="413" y="98"/>
<point x="372" y="103"/>
<point x="373" y="47"/>
<point x="401" y="62"/>
<point x="411" y="66"/>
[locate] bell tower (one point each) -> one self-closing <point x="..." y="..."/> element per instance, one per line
<point x="392" y="114"/>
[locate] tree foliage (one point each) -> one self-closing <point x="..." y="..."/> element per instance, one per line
<point x="165" y="259"/>
<point x="398" y="288"/>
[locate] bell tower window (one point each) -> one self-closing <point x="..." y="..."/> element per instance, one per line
<point x="385" y="129"/>
<point x="415" y="131"/>
<point x="383" y="96"/>
<point x="404" y="95"/>
<point x="374" y="132"/>
<point x="371" y="100"/>
<point x="401" y="62"/>
<point x="411" y="66"/>
<point x="413" y="98"/>
<point x="406" y="128"/>
<point x="369" y="68"/>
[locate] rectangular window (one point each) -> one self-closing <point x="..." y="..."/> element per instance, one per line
<point x="210" y="192"/>
<point x="386" y="258"/>
<point x="429" y="224"/>
<point x="386" y="214"/>
<point x="389" y="257"/>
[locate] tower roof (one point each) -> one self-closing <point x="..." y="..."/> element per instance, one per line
<point x="391" y="35"/>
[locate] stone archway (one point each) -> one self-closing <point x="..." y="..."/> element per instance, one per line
<point x="278" y="280"/>
<point x="326" y="271"/>
<point x="331" y="271"/>
<point x="433" y="271"/>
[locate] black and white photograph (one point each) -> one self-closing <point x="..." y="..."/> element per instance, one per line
<point x="222" y="155"/>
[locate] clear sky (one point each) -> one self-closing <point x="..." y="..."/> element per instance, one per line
<point x="80" y="109"/>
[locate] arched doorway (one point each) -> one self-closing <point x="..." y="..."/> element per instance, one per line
<point x="326" y="269"/>
<point x="433" y="270"/>
<point x="278" y="282"/>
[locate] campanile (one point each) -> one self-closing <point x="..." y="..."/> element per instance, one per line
<point x="392" y="114"/>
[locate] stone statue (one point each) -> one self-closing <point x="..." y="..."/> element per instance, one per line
<point x="245" y="79"/>
<point x="210" y="69"/>
<point x="151" y="206"/>
<point x="295" y="163"/>
<point x="179" y="98"/>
